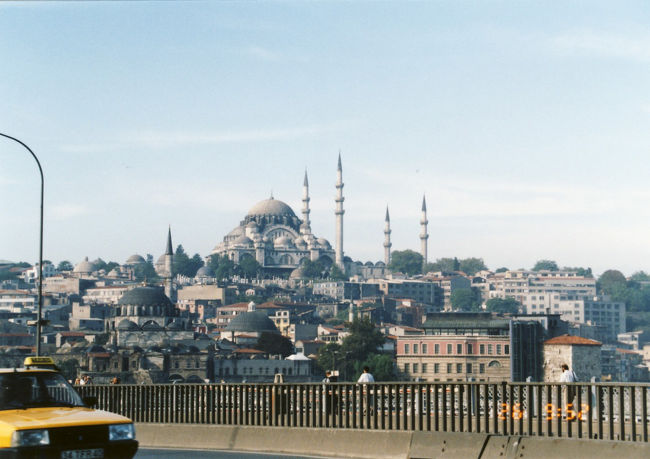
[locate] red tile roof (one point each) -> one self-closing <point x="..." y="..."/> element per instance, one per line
<point x="570" y="340"/>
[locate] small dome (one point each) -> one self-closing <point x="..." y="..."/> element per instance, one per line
<point x="252" y="225"/>
<point x="128" y="325"/>
<point x="299" y="241"/>
<point x="324" y="243"/>
<point x="175" y="326"/>
<point x="84" y="267"/>
<point x="204" y="271"/>
<point x="256" y="322"/>
<point x="145" y="296"/>
<point x="283" y="241"/>
<point x="161" y="260"/>
<point x="299" y="356"/>
<point x="243" y="240"/>
<point x="135" y="260"/>
<point x="297" y="273"/>
<point x="380" y="264"/>
<point x="151" y="326"/>
<point x="238" y="231"/>
<point x="369" y="264"/>
<point x="271" y="207"/>
<point x="113" y="273"/>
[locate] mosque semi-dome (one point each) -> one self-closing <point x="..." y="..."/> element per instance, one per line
<point x="204" y="271"/>
<point x="135" y="260"/>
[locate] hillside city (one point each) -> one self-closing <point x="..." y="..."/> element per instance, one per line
<point x="194" y="319"/>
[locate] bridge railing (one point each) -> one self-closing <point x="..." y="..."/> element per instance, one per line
<point x="594" y="411"/>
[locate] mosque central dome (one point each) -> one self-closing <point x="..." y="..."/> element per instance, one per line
<point x="271" y="207"/>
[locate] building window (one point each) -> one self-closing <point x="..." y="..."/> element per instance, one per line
<point x="459" y="368"/>
<point x="449" y="368"/>
<point x="481" y="349"/>
<point x="415" y="348"/>
<point x="498" y="349"/>
<point x="507" y="349"/>
<point x="459" y="348"/>
<point x="407" y="348"/>
<point x="424" y="368"/>
<point x="468" y="368"/>
<point x="470" y="349"/>
<point x="424" y="348"/>
<point x="407" y="368"/>
<point x="490" y="349"/>
<point x="449" y="348"/>
<point x="436" y="368"/>
<point x="481" y="368"/>
<point x="436" y="348"/>
<point x="415" y="368"/>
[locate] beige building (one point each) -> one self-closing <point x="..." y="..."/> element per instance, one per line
<point x="581" y="354"/>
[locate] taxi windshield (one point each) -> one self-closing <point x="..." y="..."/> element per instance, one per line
<point x="20" y="390"/>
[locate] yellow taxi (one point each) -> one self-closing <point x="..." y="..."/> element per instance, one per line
<point x="42" y="416"/>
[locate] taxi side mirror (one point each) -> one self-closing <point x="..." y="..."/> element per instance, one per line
<point x="90" y="401"/>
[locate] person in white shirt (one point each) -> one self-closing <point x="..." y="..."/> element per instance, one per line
<point x="366" y="376"/>
<point x="567" y="376"/>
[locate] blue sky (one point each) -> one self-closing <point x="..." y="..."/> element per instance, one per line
<point x="527" y="125"/>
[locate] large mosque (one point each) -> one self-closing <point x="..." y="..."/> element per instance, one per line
<point x="278" y="240"/>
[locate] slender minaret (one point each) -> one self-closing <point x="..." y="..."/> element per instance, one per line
<point x="424" y="236"/>
<point x="306" y="225"/>
<point x="387" y="244"/>
<point x="339" y="215"/>
<point x="169" y="267"/>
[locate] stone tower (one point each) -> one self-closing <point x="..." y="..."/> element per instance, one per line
<point x="169" y="268"/>
<point x="387" y="243"/>
<point x="339" y="215"/>
<point x="305" y="228"/>
<point x="424" y="235"/>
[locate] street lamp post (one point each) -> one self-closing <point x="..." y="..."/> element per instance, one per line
<point x="40" y="252"/>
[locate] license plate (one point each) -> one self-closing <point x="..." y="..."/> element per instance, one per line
<point x="83" y="454"/>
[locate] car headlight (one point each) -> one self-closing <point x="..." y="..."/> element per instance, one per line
<point x="36" y="437"/>
<point x="121" y="432"/>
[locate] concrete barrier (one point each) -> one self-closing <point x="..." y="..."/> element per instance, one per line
<point x="379" y="444"/>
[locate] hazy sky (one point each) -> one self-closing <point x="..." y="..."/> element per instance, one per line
<point x="527" y="125"/>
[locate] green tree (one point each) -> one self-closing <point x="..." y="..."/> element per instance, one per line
<point x="337" y="274"/>
<point x="612" y="282"/>
<point x="145" y="271"/>
<point x="465" y="299"/>
<point x="584" y="272"/>
<point x="274" y="343"/>
<point x="364" y="339"/>
<point x="442" y="264"/>
<point x="328" y="357"/>
<point x="406" y="261"/>
<point x="640" y="276"/>
<point x="6" y="274"/>
<point x="507" y="305"/>
<point x="502" y="270"/>
<point x="545" y="265"/>
<point x="381" y="366"/>
<point x="471" y="266"/>
<point x="312" y="269"/>
<point x="65" y="265"/>
<point x="249" y="267"/>
<point x="184" y="265"/>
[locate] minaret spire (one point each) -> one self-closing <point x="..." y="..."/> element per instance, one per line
<point x="339" y="214"/>
<point x="306" y="225"/>
<point x="169" y="268"/>
<point x="387" y="243"/>
<point x="424" y="235"/>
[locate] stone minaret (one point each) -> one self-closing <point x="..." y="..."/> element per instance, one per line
<point x="339" y="215"/>
<point x="424" y="236"/>
<point x="306" y="225"/>
<point x="387" y="243"/>
<point x="169" y="268"/>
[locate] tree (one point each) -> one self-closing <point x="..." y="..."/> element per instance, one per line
<point x="145" y="271"/>
<point x="406" y="261"/>
<point x="545" y="265"/>
<point x="381" y="366"/>
<point x="507" y="305"/>
<point x="442" y="264"/>
<point x="184" y="265"/>
<point x="69" y="369"/>
<point x="471" y="266"/>
<point x="273" y="343"/>
<point x="640" y="276"/>
<point x="465" y="299"/>
<point x="65" y="265"/>
<point x="337" y="274"/>
<point x="328" y="356"/>
<point x="612" y="282"/>
<point x="364" y="339"/>
<point x="502" y="270"/>
<point x="312" y="269"/>
<point x="249" y="267"/>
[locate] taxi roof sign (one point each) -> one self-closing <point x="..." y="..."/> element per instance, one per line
<point x="39" y="362"/>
